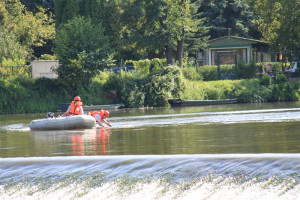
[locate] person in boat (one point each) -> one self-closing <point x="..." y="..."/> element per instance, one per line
<point x="100" y="117"/>
<point x="50" y="115"/>
<point x="75" y="108"/>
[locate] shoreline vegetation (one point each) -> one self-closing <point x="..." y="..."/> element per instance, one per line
<point x="23" y="94"/>
<point x="161" y="40"/>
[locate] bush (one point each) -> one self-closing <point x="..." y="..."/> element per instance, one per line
<point x="212" y="90"/>
<point x="209" y="72"/>
<point x="284" y="90"/>
<point x="228" y="69"/>
<point x="191" y="73"/>
<point x="266" y="80"/>
<point x="251" y="91"/>
<point x="151" y="90"/>
<point x="247" y="70"/>
<point x="26" y="95"/>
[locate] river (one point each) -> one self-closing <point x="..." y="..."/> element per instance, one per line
<point x="238" y="151"/>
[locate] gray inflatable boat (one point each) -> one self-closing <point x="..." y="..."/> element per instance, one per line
<point x="64" y="123"/>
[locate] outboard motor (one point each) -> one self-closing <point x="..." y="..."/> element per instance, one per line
<point x="50" y="115"/>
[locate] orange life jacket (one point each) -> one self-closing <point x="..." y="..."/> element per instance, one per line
<point x="99" y="113"/>
<point x="75" y="110"/>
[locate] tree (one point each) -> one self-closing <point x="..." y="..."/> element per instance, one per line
<point x="223" y="16"/>
<point x="196" y="38"/>
<point x="155" y="28"/>
<point x="82" y="50"/>
<point x="21" y="30"/>
<point x="279" y="22"/>
<point x="138" y="29"/>
<point x="32" y="5"/>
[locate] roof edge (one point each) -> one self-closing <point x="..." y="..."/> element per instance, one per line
<point x="242" y="38"/>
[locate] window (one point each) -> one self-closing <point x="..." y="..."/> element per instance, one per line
<point x="227" y="56"/>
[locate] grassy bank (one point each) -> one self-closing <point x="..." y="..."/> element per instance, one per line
<point x="20" y="94"/>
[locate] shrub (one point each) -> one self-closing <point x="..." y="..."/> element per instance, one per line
<point x="151" y="90"/>
<point x="144" y="67"/>
<point x="212" y="90"/>
<point x="251" y="91"/>
<point x="209" y="72"/>
<point x="246" y="71"/>
<point x="191" y="73"/>
<point x="284" y="90"/>
<point x="266" y="80"/>
<point x="228" y="69"/>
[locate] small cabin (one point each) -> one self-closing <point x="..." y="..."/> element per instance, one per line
<point x="44" y="68"/>
<point x="230" y="49"/>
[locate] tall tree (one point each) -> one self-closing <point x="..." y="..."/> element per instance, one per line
<point x="157" y="27"/>
<point x="279" y="22"/>
<point x="22" y="30"/>
<point x="227" y="15"/>
<point x="82" y="50"/>
<point x="139" y="29"/>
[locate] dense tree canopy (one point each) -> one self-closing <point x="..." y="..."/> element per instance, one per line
<point x="22" y="30"/>
<point x="222" y="15"/>
<point x="137" y="29"/>
<point x="279" y="22"/>
<point x="82" y="49"/>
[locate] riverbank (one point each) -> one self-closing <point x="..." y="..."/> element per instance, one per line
<point x="27" y="95"/>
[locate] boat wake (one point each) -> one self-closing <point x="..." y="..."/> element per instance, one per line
<point x="198" y="118"/>
<point x="206" y="118"/>
<point x="16" y="127"/>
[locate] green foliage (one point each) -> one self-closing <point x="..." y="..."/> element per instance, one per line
<point x="168" y="83"/>
<point x="209" y="72"/>
<point x="129" y="89"/>
<point x="21" y="94"/>
<point x="223" y="14"/>
<point x="278" y="22"/>
<point x="251" y="91"/>
<point x="82" y="50"/>
<point x="276" y="67"/>
<point x="247" y="70"/>
<point x="151" y="90"/>
<point x="267" y="90"/>
<point x="47" y="57"/>
<point x="228" y="69"/>
<point x="284" y="90"/>
<point x="22" y="30"/>
<point x="212" y="90"/>
<point x="191" y="73"/>
<point x="196" y="37"/>
<point x="15" y="70"/>
<point x="144" y="67"/>
<point x="266" y="80"/>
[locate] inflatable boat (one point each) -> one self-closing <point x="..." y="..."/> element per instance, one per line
<point x="64" y="123"/>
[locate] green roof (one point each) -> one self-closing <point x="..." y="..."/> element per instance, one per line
<point x="233" y="41"/>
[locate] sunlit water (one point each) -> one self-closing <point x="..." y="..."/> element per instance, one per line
<point x="215" y="152"/>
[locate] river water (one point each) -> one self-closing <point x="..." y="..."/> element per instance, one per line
<point x="239" y="151"/>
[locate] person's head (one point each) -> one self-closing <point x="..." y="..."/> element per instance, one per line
<point x="105" y="113"/>
<point x="50" y="115"/>
<point x="77" y="99"/>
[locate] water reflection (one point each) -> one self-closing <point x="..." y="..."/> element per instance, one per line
<point x="68" y="142"/>
<point x="94" y="142"/>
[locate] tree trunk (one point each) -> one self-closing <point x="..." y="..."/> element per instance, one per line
<point x="180" y="44"/>
<point x="169" y="56"/>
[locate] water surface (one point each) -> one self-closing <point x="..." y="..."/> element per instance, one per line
<point x="240" y="151"/>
